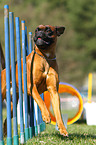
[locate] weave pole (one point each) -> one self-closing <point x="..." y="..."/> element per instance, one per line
<point x="30" y="42"/>
<point x="7" y="59"/>
<point x="32" y="128"/>
<point x="17" y="23"/>
<point x="40" y="123"/>
<point x="13" y="70"/>
<point x="31" y="123"/>
<point x="25" y="81"/>
<point x="1" y="122"/>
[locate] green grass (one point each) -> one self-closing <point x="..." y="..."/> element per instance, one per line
<point x="79" y="134"/>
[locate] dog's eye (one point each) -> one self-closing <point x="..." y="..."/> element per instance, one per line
<point x="48" y="30"/>
<point x="38" y="29"/>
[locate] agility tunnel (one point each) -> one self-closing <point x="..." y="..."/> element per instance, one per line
<point x="65" y="88"/>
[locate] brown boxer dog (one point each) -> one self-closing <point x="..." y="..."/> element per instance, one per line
<point x="42" y="72"/>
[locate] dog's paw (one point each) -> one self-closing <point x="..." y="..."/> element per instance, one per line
<point x="46" y="116"/>
<point x="63" y="131"/>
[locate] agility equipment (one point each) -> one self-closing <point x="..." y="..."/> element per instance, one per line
<point x="25" y="80"/>
<point x="1" y="128"/>
<point x="89" y="105"/>
<point x="7" y="56"/>
<point x="35" y="125"/>
<point x="89" y="87"/>
<point x="13" y="71"/>
<point x="65" y="88"/>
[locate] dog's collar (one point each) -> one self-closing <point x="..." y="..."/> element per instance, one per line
<point x="45" y="57"/>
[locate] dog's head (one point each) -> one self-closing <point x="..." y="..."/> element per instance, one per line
<point x="45" y="35"/>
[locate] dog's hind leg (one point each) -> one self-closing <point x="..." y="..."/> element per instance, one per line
<point x="41" y="104"/>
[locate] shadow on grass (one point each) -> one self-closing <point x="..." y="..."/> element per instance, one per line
<point x="81" y="121"/>
<point x="70" y="137"/>
<point x="78" y="136"/>
<point x="83" y="136"/>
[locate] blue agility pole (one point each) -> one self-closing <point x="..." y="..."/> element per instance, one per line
<point x="35" y="121"/>
<point x="40" y="123"/>
<point x="13" y="70"/>
<point x="17" y="23"/>
<point x="26" y="42"/>
<point x="1" y="119"/>
<point x="30" y="99"/>
<point x="7" y="58"/>
<point x="43" y="124"/>
<point x="25" y="81"/>
<point x="31" y="124"/>
<point x="30" y="42"/>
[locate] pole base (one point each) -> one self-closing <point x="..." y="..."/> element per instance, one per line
<point x="36" y="130"/>
<point x="26" y="134"/>
<point x="22" y="140"/>
<point x="42" y="126"/>
<point x="2" y="142"/>
<point x="16" y="140"/>
<point x="9" y="140"/>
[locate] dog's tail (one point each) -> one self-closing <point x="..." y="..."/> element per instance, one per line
<point x="2" y="57"/>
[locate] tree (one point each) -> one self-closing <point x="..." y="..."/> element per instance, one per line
<point x="83" y="17"/>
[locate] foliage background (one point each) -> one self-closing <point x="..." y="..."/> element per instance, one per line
<point x="76" y="49"/>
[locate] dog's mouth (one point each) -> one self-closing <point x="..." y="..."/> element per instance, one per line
<point x="43" y="40"/>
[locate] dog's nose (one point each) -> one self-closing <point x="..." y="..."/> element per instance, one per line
<point x="41" y="34"/>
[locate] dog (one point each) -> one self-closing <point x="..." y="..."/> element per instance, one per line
<point x="42" y="73"/>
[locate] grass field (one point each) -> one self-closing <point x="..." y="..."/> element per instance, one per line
<point x="79" y="134"/>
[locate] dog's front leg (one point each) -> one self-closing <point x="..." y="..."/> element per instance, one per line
<point x="56" y="108"/>
<point x="51" y="81"/>
<point x="41" y="104"/>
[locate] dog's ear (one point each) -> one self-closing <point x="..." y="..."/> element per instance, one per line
<point x="59" y="30"/>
